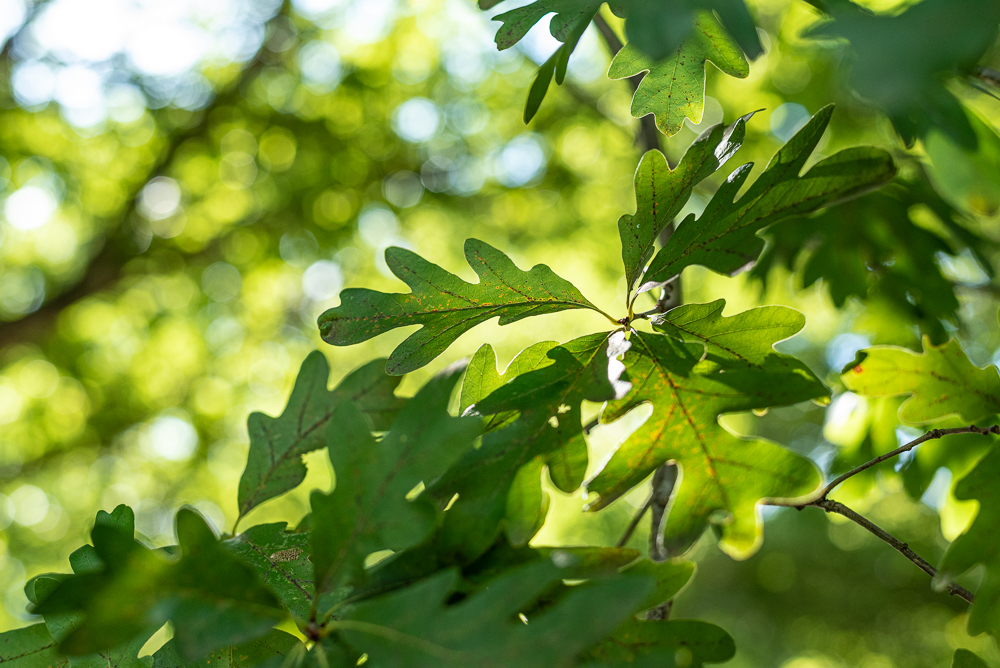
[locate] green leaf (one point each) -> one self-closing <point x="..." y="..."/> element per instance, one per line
<point x="268" y="651"/>
<point x="660" y="193"/>
<point x="978" y="545"/>
<point x="891" y="66"/>
<point x="30" y="647"/>
<point x="280" y="558"/>
<point x="670" y="577"/>
<point x="570" y="16"/>
<point x="414" y="627"/>
<point x="966" y="659"/>
<point x="662" y="644"/>
<point x="483" y="376"/>
<point x="549" y="429"/>
<point x="444" y="304"/>
<point x="368" y="509"/>
<point x="657" y="29"/>
<point x="724" y="239"/>
<point x="210" y="596"/>
<point x="729" y="369"/>
<point x="941" y="381"/>
<point x="674" y="88"/>
<point x="274" y="464"/>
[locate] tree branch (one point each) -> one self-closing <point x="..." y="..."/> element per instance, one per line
<point x="820" y="500"/>
<point x="904" y="549"/>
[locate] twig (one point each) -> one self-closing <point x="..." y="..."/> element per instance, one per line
<point x="634" y="523"/>
<point x="831" y="506"/>
<point x="820" y="500"/>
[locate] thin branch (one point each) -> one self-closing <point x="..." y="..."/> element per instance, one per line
<point x="820" y="500"/>
<point x="904" y="549"/>
<point x="988" y="74"/>
<point x="929" y="436"/>
<point x="630" y="529"/>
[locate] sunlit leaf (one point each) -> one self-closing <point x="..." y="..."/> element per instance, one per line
<point x="674" y="88"/>
<point x="724" y="237"/>
<point x="483" y="376"/>
<point x="444" y="304"/>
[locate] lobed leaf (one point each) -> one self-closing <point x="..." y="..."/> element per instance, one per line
<point x="368" y="509"/>
<point x="724" y="239"/>
<point x="548" y="432"/>
<point x="731" y="368"/>
<point x="657" y="29"/>
<point x="653" y="644"/>
<point x="483" y="376"/>
<point x="941" y="381"/>
<point x="444" y="304"/>
<point x="30" y="647"/>
<point x="660" y="193"/>
<point x="674" y="87"/>
<point x="280" y="560"/>
<point x="274" y="463"/>
<point x="268" y="651"/>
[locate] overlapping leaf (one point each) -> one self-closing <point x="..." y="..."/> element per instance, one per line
<point x="274" y="465"/>
<point x="548" y="432"/>
<point x="368" y="509"/>
<point x="483" y="377"/>
<point x="674" y="88"/>
<point x="654" y="644"/>
<point x="941" y="381"/>
<point x="268" y="651"/>
<point x="730" y="368"/>
<point x="212" y="598"/>
<point x="414" y="627"/>
<point x="894" y="68"/>
<point x="30" y="647"/>
<point x="724" y="239"/>
<point x="444" y="304"/>
<point x="966" y="659"/>
<point x="657" y="28"/>
<point x="280" y="559"/>
<point x="660" y="193"/>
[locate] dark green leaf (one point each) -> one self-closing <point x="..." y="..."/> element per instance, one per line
<point x="549" y="429"/>
<point x="570" y="17"/>
<point x="662" y="644"/>
<point x="658" y="29"/>
<point x="414" y="627"/>
<point x="483" y="376"/>
<point x="268" y="651"/>
<point x="368" y="509"/>
<point x="280" y="559"/>
<point x="660" y="193"/>
<point x="274" y="465"/>
<point x="966" y="659"/>
<point x="210" y="596"/>
<point x="30" y="647"/>
<point x="444" y="304"/>
<point x="674" y="88"/>
<point x="731" y="368"/>
<point x="724" y="237"/>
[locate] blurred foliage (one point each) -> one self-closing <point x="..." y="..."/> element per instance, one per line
<point x="165" y="252"/>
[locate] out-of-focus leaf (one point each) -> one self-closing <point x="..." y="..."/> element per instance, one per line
<point x="894" y="67"/>
<point x="690" y="385"/>
<point x="966" y="659"/>
<point x="30" y="647"/>
<point x="549" y="428"/>
<point x="274" y="464"/>
<point x="268" y="651"/>
<point x="670" y="577"/>
<point x="444" y="304"/>
<point x="724" y="237"/>
<point x="657" y="29"/>
<point x="483" y="376"/>
<point x="978" y="545"/>
<point x="941" y="381"/>
<point x="872" y="248"/>
<point x="368" y="510"/>
<point x="659" y="644"/>
<point x="674" y="88"/>
<point x="414" y="627"/>
<point x="970" y="178"/>
<point x="210" y="596"/>
<point x="280" y="558"/>
<point x="661" y="192"/>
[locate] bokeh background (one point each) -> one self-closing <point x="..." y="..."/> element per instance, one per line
<point x="186" y="186"/>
